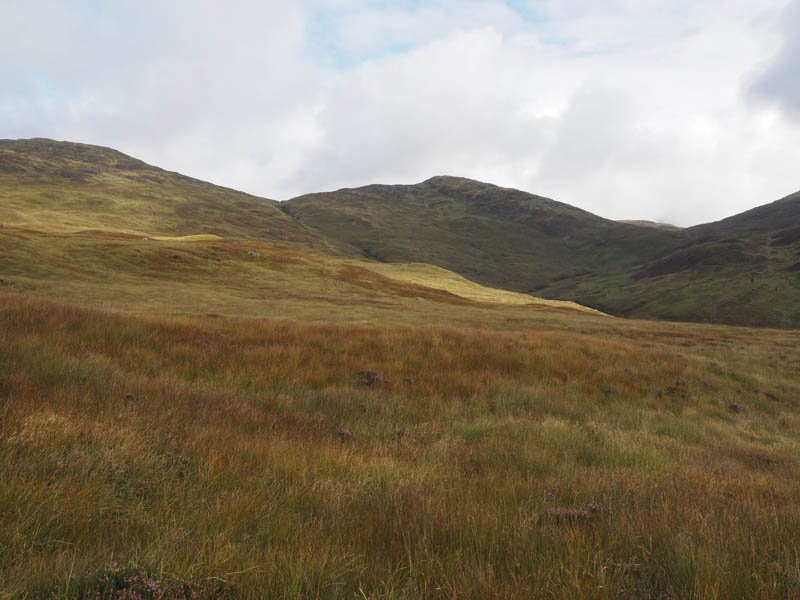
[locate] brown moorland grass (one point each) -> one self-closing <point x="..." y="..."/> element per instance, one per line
<point x="554" y="455"/>
<point x="62" y="187"/>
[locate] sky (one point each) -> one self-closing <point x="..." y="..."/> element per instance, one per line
<point x="685" y="111"/>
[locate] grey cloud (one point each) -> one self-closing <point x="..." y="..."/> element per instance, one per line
<point x="590" y="132"/>
<point x="781" y="80"/>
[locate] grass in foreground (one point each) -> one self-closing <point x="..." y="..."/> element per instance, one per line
<point x="591" y="458"/>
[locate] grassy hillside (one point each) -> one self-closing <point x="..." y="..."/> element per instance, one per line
<point x="239" y="278"/>
<point x="742" y="270"/>
<point x="66" y="187"/>
<point x="496" y="236"/>
<point x="565" y="456"/>
<point x="436" y="277"/>
<point x="91" y="225"/>
<point x="781" y="215"/>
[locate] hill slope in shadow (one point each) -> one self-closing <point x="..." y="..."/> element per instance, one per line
<point x="496" y="236"/>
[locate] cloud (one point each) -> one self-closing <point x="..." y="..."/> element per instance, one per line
<point x="355" y="31"/>
<point x="448" y="107"/>
<point x="595" y="126"/>
<point x="781" y="80"/>
<point x="627" y="109"/>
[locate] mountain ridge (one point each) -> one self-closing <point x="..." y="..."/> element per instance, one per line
<point x="740" y="270"/>
<point x="744" y="269"/>
<point x="89" y="224"/>
<point x="471" y="215"/>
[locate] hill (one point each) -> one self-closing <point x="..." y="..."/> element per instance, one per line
<point x="742" y="270"/>
<point x="64" y="187"/>
<point x="93" y="226"/>
<point x="496" y="236"/>
<point x="780" y="216"/>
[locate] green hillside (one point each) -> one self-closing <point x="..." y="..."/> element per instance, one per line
<point x="780" y="216"/>
<point x="496" y="236"/>
<point x="743" y="270"/>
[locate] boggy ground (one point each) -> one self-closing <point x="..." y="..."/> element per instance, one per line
<point x="545" y="454"/>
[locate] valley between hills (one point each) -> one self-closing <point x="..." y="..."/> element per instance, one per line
<point x="441" y="390"/>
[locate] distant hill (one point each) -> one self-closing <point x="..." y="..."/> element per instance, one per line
<point x="741" y="270"/>
<point x="780" y="216"/>
<point x="496" y="236"/>
<point x="652" y="224"/>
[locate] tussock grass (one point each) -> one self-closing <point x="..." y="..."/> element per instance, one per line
<point x="565" y="457"/>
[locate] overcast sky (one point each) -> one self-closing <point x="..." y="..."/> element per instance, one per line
<point x="683" y="111"/>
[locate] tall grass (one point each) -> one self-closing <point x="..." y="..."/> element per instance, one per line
<point x="250" y="459"/>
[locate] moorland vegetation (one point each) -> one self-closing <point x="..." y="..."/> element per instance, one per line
<point x="202" y="396"/>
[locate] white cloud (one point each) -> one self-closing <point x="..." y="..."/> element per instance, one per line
<point x="637" y="109"/>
